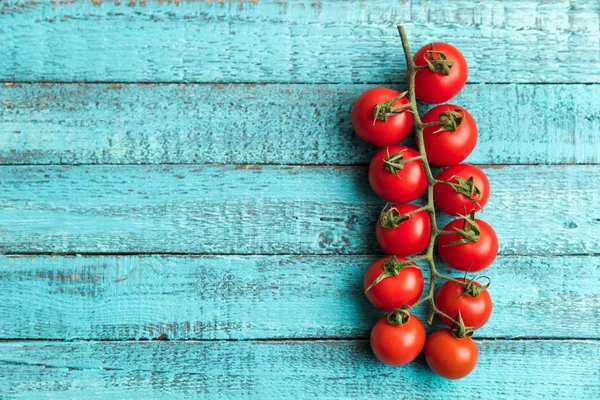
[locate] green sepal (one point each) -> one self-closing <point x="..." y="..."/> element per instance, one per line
<point x="465" y="187"/>
<point x="398" y="317"/>
<point x="473" y="290"/>
<point x="394" y="162"/>
<point x="450" y="120"/>
<point x="391" y="267"/>
<point x="470" y="231"/>
<point x="441" y="64"/>
<point x="391" y="218"/>
<point x="383" y="111"/>
<point x="460" y="330"/>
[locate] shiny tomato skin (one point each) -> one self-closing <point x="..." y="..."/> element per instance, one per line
<point x="402" y="187"/>
<point x="433" y="87"/>
<point x="393" y="131"/>
<point x="449" y="147"/>
<point x="397" y="345"/>
<point x="394" y="291"/>
<point x="475" y="311"/>
<point x="449" y="356"/>
<point x="474" y="256"/>
<point x="408" y="238"/>
<point x="454" y="203"/>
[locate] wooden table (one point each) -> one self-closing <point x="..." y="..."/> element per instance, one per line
<point x="184" y="210"/>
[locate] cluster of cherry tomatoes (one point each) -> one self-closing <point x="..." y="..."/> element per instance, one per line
<point x="397" y="174"/>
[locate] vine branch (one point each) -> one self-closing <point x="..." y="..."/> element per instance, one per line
<point x="431" y="181"/>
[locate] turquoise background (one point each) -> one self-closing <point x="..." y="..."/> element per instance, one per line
<point x="185" y="213"/>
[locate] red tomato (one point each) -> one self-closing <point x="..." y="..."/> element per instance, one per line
<point x="470" y="190"/>
<point x="449" y="356"/>
<point x="392" y="282"/>
<point x="394" y="180"/>
<point x="387" y="129"/>
<point x="470" y="298"/>
<point x="456" y="139"/>
<point x="403" y="235"/>
<point x="473" y="256"/>
<point x="397" y="344"/>
<point x="445" y="83"/>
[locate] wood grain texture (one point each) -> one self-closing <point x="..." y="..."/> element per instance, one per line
<point x="289" y="370"/>
<point x="281" y="124"/>
<point x="293" y="41"/>
<point x="269" y="209"/>
<point x="255" y="297"/>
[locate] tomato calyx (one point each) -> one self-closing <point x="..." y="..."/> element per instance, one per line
<point x="473" y="290"/>
<point x="395" y="162"/>
<point x="398" y="317"/>
<point x="459" y="329"/>
<point x="391" y="218"/>
<point x="450" y="120"/>
<point x="465" y="187"/>
<point x="383" y="111"/>
<point x="391" y="267"/>
<point x="470" y="231"/>
<point x="441" y="64"/>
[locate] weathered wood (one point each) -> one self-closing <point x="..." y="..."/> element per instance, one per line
<point x="283" y="124"/>
<point x="269" y="209"/>
<point x="289" y="370"/>
<point x="293" y="41"/>
<point x="250" y="297"/>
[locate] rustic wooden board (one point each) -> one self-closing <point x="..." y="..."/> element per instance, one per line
<point x="293" y="41"/>
<point x="268" y="209"/>
<point x="281" y="124"/>
<point x="289" y="370"/>
<point x="296" y="68"/>
<point x="250" y="297"/>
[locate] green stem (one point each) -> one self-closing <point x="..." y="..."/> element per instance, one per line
<point x="449" y="278"/>
<point x="431" y="181"/>
<point x="435" y="123"/>
<point x="421" y="300"/>
<point x="417" y="210"/>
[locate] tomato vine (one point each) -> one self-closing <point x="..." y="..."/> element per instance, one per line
<point x="419" y="126"/>
<point x="401" y="174"/>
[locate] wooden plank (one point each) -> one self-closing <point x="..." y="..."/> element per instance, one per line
<point x="268" y="209"/>
<point x="293" y="41"/>
<point x="289" y="370"/>
<point x="282" y="124"/>
<point x="254" y="297"/>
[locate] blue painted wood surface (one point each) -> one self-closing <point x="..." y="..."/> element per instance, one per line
<point x="271" y="257"/>
<point x="307" y="124"/>
<point x="258" y="297"/>
<point x="249" y="209"/>
<point x="293" y="41"/>
<point x="337" y="369"/>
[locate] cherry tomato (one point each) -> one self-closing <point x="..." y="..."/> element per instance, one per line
<point x="397" y="344"/>
<point x="452" y="142"/>
<point x="470" y="298"/>
<point x="472" y="256"/>
<point x="445" y="82"/>
<point x="449" y="356"/>
<point x="392" y="282"/>
<point x="386" y="129"/>
<point x="470" y="190"/>
<point x="403" y="235"/>
<point x="395" y="180"/>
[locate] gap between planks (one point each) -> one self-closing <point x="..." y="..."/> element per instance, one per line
<point x="319" y="339"/>
<point x="265" y="83"/>
<point x="193" y="255"/>
<point x="259" y="164"/>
